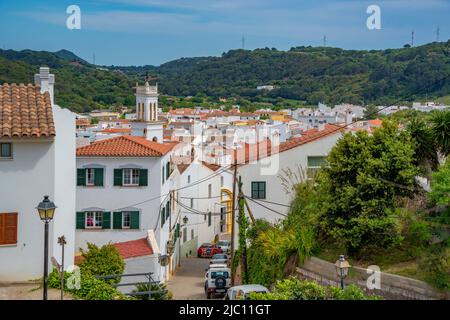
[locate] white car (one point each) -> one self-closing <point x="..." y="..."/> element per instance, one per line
<point x="218" y="280"/>
<point x="241" y="292"/>
<point x="225" y="245"/>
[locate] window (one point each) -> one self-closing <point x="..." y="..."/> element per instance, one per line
<point x="90" y="174"/>
<point x="184" y="235"/>
<point x="258" y="189"/>
<point x="189" y="179"/>
<point x="5" y="150"/>
<point x="8" y="228"/>
<point x="221" y="181"/>
<point x="314" y="164"/>
<point x="209" y="190"/>
<point x="209" y="219"/>
<point x="192" y="234"/>
<point x="130" y="177"/>
<point x="94" y="219"/>
<point x="126" y="220"/>
<point x="163" y="174"/>
<point x="192" y="202"/>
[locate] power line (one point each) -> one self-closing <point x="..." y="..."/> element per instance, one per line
<point x="253" y="200"/>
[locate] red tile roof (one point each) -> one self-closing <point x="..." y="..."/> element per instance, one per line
<point x="211" y="166"/>
<point x="25" y="112"/>
<point x="376" y="122"/>
<point x="134" y="248"/>
<point x="125" y="146"/>
<point x="264" y="148"/>
<point x="116" y="130"/>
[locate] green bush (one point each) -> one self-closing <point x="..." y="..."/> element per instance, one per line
<point x="164" y="294"/>
<point x="91" y="288"/>
<point x="296" y="289"/>
<point x="102" y="261"/>
<point x="436" y="265"/>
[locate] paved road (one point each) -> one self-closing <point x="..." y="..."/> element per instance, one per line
<point x="188" y="282"/>
<point x="28" y="292"/>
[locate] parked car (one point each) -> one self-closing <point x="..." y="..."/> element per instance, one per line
<point x="242" y="292"/>
<point x="218" y="280"/>
<point x="219" y="258"/>
<point x="207" y="250"/>
<point x="225" y="245"/>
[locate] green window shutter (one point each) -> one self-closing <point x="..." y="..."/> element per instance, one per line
<point x="106" y="220"/>
<point x="81" y="177"/>
<point x="81" y="220"/>
<point x="167" y="170"/>
<point x="167" y="210"/>
<point x="134" y="220"/>
<point x="163" y="216"/>
<point x="316" y="161"/>
<point x="118" y="177"/>
<point x="117" y="220"/>
<point x="163" y="173"/>
<point x="143" y="177"/>
<point x="177" y="231"/>
<point x="98" y="177"/>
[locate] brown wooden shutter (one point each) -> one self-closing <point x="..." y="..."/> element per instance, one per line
<point x="8" y="228"/>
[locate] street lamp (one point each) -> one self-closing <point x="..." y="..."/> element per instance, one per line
<point x="185" y="220"/>
<point x="170" y="248"/>
<point x="342" y="267"/>
<point x="46" y="210"/>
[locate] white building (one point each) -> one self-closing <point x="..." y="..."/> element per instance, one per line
<point x="125" y="184"/>
<point x="37" y="142"/>
<point x="268" y="175"/>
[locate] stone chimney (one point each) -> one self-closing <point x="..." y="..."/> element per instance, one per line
<point x="46" y="81"/>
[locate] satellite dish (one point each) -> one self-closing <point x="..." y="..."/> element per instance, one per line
<point x="164" y="260"/>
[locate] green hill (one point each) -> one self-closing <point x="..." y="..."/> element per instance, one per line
<point x="307" y="74"/>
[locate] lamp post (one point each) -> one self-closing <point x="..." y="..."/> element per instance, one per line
<point x="46" y="210"/>
<point x="342" y="267"/>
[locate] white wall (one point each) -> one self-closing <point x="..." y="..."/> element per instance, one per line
<point x="64" y="195"/>
<point x="275" y="192"/>
<point x="23" y="183"/>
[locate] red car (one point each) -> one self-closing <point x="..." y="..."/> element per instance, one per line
<point x="207" y="250"/>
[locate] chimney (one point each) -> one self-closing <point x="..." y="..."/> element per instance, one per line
<point x="45" y="80"/>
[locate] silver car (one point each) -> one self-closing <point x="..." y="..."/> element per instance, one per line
<point x="225" y="245"/>
<point x="219" y="258"/>
<point x="241" y="292"/>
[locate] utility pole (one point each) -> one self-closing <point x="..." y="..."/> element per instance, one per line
<point x="243" y="42"/>
<point x="412" y="38"/>
<point x="437" y="33"/>
<point x="242" y="238"/>
<point x="233" y="206"/>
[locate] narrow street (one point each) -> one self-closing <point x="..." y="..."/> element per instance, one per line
<point x="188" y="282"/>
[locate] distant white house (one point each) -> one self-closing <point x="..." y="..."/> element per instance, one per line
<point x="37" y="143"/>
<point x="265" y="87"/>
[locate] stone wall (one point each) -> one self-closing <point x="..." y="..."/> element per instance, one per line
<point x="392" y="286"/>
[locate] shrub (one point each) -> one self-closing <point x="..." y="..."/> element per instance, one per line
<point x="91" y="288"/>
<point x="102" y="261"/>
<point x="164" y="294"/>
<point x="296" y="289"/>
<point x="436" y="266"/>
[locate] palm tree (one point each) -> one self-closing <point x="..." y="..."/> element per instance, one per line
<point x="425" y="144"/>
<point x="440" y="128"/>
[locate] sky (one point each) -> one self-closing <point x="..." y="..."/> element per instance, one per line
<point x="143" y="32"/>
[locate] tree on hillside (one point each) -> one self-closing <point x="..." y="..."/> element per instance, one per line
<point x="425" y="146"/>
<point x="440" y="127"/>
<point x="364" y="176"/>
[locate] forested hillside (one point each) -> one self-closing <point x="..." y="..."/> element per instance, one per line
<point x="306" y="74"/>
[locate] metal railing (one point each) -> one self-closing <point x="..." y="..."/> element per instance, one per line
<point x="150" y="282"/>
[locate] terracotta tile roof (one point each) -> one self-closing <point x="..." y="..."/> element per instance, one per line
<point x="264" y="148"/>
<point x="134" y="248"/>
<point x="182" y="167"/>
<point x="25" y="112"/>
<point x="125" y="146"/>
<point x="376" y="122"/>
<point x="211" y="166"/>
<point x="116" y="130"/>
